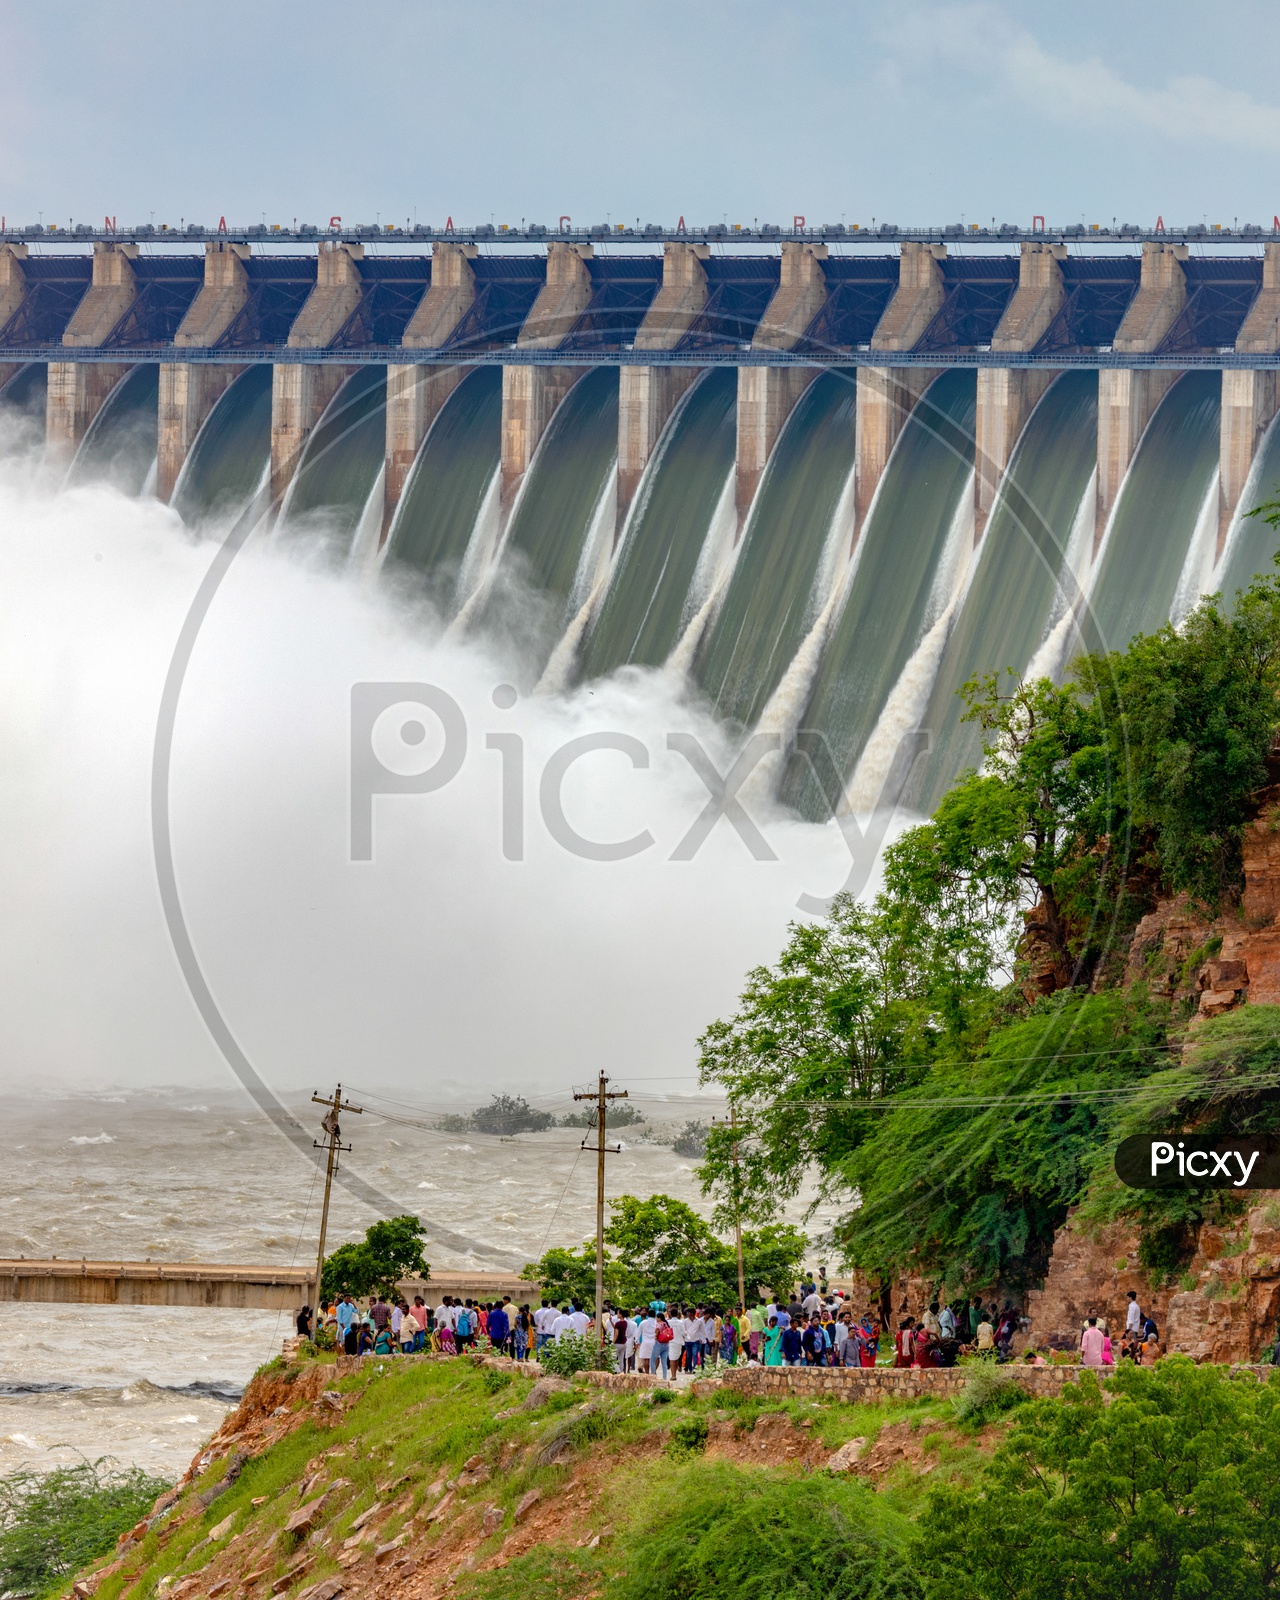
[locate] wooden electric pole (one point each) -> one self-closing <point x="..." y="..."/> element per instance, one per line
<point x="602" y="1096"/>
<point x="333" y="1140"/>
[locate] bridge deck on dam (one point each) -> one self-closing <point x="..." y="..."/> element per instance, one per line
<point x="214" y="1286"/>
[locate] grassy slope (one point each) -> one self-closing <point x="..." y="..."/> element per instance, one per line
<point x="604" y="1464"/>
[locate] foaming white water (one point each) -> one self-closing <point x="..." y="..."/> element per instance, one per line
<point x="590" y="583"/>
<point x="442" y="962"/>
<point x="559" y="671"/>
<point x="786" y="705"/>
<point x="1249" y="497"/>
<point x="483" y="543"/>
<point x="710" y="578"/>
<point x="367" y="549"/>
<point x="1196" y="577"/>
<point x="597" y="548"/>
<point x="909" y="697"/>
<point x="1062" y="639"/>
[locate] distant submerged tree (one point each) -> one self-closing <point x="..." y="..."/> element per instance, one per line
<point x="508" y="1114"/>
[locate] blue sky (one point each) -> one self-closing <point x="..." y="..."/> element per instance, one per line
<point x="493" y="108"/>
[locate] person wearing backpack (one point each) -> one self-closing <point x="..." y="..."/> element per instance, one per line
<point x="662" y="1346"/>
<point x="462" y="1328"/>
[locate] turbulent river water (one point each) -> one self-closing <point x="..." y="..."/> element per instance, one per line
<point x="203" y="1176"/>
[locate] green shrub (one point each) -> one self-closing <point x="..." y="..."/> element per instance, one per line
<point x="688" y="1435"/>
<point x="1166" y="1488"/>
<point x="576" y="1430"/>
<point x="712" y="1531"/>
<point x="53" y="1523"/>
<point x="570" y="1354"/>
<point x="989" y="1391"/>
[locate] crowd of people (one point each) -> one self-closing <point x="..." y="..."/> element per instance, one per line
<point x="1140" y="1341"/>
<point x="815" y="1327"/>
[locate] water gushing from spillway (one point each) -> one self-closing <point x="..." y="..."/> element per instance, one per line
<point x="339" y="463"/>
<point x="1251" y="541"/>
<point x="528" y="598"/>
<point x="1156" y="512"/>
<point x="1015" y="583"/>
<point x="119" y="445"/>
<point x="231" y="452"/>
<point x="904" y="708"/>
<point x="791" y="628"/>
<point x="771" y="599"/>
<point x="888" y="607"/>
<point x="445" y="491"/>
<point x="640" y="618"/>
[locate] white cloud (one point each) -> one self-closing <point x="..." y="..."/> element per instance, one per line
<point x="1085" y="92"/>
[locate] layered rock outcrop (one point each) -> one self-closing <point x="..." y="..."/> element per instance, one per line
<point x="1223" y="1307"/>
<point x="1228" y="959"/>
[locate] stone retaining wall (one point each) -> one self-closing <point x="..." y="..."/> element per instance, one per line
<point x="625" y="1382"/>
<point x="866" y="1385"/>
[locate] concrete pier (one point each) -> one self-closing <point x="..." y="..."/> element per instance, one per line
<point x="299" y="393"/>
<point x="767" y="395"/>
<point x="530" y="395"/>
<point x="1249" y="399"/>
<point x="886" y="395"/>
<point x="647" y="395"/>
<point x="1006" y="397"/>
<point x="188" y="390"/>
<point x="77" y="389"/>
<point x="416" y="394"/>
<point x="13" y="291"/>
<point x="1127" y="398"/>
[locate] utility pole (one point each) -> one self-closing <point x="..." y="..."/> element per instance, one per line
<point x="333" y="1141"/>
<point x="602" y="1096"/>
<point x="737" y="1205"/>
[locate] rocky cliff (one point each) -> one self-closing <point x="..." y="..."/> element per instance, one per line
<point x="1224" y="1306"/>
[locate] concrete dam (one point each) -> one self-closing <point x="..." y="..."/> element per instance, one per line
<point x="828" y="478"/>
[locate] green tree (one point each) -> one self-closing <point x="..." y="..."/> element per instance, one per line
<point x="968" y="1176"/>
<point x="391" y="1250"/>
<point x="509" y="1114"/>
<point x="660" y="1247"/>
<point x="53" y="1523"/>
<point x="1223" y="1085"/>
<point x="854" y="1011"/>
<point x="1169" y="1492"/>
<point x="1190" y="715"/>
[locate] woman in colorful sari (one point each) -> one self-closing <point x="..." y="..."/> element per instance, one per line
<point x="870" y="1332"/>
<point x="729" y="1342"/>
<point x="772" y="1344"/>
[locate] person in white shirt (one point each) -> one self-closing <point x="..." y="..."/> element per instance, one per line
<point x="648" y="1333"/>
<point x="562" y="1325"/>
<point x="812" y="1302"/>
<point x="633" y="1343"/>
<point x="678" y="1330"/>
<point x="947" y="1323"/>
<point x="580" y="1320"/>
<point x="543" y="1317"/>
<point x="397" y="1317"/>
<point x="1133" y="1317"/>
<point x="446" y="1314"/>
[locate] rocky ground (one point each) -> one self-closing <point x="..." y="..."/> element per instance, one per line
<point x="414" y="1479"/>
